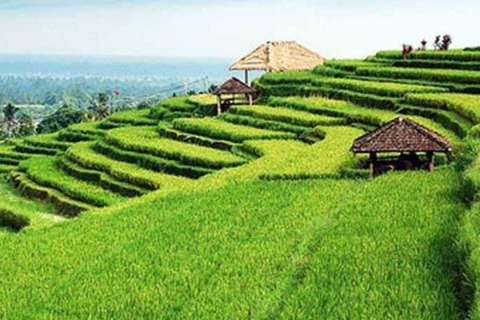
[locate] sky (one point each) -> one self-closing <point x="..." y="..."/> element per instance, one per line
<point x="229" y="28"/>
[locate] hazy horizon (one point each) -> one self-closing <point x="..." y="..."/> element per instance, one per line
<point x="227" y="29"/>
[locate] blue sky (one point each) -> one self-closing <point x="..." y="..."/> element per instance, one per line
<point x="228" y="28"/>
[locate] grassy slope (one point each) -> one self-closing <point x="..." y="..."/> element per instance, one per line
<point x="40" y="214"/>
<point x="183" y="255"/>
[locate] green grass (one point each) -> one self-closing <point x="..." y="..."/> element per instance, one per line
<point x="107" y="182"/>
<point x="218" y="129"/>
<point x="387" y="261"/>
<point x="63" y="204"/>
<point x="388" y="89"/>
<point x="351" y="65"/>
<point x="354" y="113"/>
<point x="84" y="154"/>
<point x="165" y="130"/>
<point x="182" y="104"/>
<point x="47" y="141"/>
<point x="82" y="132"/>
<point x="89" y="128"/>
<point x="134" y="117"/>
<point x="183" y="255"/>
<point x="437" y="64"/>
<point x="452" y="55"/>
<point x="270" y="228"/>
<point x="39" y="214"/>
<point x="445" y="75"/>
<point x="8" y="151"/>
<point x="4" y="168"/>
<point x="147" y="140"/>
<point x="262" y="124"/>
<point x="203" y="99"/>
<point x="44" y="171"/>
<point x="24" y="148"/>
<point x="289" y="116"/>
<point x="467" y="105"/>
<point x="322" y="159"/>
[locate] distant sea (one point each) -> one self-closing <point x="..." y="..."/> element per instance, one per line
<point x="117" y="67"/>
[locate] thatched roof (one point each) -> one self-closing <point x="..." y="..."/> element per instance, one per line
<point x="234" y="86"/>
<point x="401" y="135"/>
<point x="279" y="56"/>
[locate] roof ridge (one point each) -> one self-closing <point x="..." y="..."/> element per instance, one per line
<point x="417" y="137"/>
<point x="279" y="56"/>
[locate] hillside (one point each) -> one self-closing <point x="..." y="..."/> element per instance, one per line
<point x="261" y="212"/>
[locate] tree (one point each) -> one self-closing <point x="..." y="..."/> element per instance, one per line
<point x="100" y="108"/>
<point x="10" y="124"/>
<point x="62" y="118"/>
<point x="27" y="127"/>
<point x="143" y="105"/>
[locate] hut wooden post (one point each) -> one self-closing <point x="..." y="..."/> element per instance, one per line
<point x="250" y="99"/>
<point x="373" y="162"/>
<point x="246" y="77"/>
<point x="219" y="104"/>
<point x="431" y="161"/>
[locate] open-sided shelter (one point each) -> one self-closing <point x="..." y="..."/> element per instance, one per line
<point x="278" y="56"/>
<point x="232" y="87"/>
<point x="404" y="136"/>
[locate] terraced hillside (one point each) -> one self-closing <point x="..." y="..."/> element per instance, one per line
<point x="261" y="212"/>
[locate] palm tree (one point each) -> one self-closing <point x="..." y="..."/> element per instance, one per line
<point x="100" y="108"/>
<point x="9" y="112"/>
<point x="10" y="123"/>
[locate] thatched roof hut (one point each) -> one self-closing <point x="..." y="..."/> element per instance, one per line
<point x="278" y="56"/>
<point x="233" y="86"/>
<point x="401" y="135"/>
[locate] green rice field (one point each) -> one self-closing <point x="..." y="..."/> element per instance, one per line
<point x="262" y="212"/>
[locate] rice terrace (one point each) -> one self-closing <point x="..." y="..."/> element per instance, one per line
<point x="297" y="187"/>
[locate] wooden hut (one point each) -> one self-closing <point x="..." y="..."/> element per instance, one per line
<point x="404" y="136"/>
<point x="233" y="87"/>
<point x="278" y="56"/>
